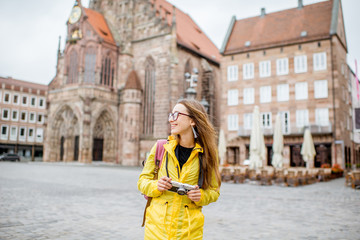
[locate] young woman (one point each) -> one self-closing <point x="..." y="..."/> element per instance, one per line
<point x="189" y="153"/>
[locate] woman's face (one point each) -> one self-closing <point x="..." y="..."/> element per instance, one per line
<point x="183" y="123"/>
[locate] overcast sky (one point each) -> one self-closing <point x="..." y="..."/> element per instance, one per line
<point x="30" y="29"/>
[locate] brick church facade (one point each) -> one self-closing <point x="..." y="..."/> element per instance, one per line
<point x="121" y="72"/>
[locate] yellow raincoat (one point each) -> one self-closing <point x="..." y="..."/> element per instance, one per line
<point x="170" y="215"/>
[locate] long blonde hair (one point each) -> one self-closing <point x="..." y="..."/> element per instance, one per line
<point x="206" y="138"/>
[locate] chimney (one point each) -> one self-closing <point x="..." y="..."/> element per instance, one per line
<point x="262" y="12"/>
<point x="300" y="4"/>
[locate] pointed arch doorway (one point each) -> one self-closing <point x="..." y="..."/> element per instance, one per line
<point x="104" y="138"/>
<point x="98" y="142"/>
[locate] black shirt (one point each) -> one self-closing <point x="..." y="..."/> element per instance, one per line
<point x="182" y="154"/>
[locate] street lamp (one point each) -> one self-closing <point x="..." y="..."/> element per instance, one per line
<point x="205" y="104"/>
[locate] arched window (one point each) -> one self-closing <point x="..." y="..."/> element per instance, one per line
<point x="149" y="97"/>
<point x="107" y="72"/>
<point x="90" y="61"/>
<point x="73" y="68"/>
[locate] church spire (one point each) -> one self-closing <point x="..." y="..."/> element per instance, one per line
<point x="59" y="44"/>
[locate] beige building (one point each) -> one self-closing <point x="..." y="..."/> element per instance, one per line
<point x="122" y="71"/>
<point x="290" y="63"/>
<point x="23" y="112"/>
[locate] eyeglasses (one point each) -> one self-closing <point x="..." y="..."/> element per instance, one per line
<point x="174" y="116"/>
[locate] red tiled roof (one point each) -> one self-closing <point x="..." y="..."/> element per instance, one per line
<point x="282" y="27"/>
<point x="188" y="33"/>
<point x="98" y="22"/>
<point x="133" y="81"/>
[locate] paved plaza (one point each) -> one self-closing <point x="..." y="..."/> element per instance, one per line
<point x="77" y="201"/>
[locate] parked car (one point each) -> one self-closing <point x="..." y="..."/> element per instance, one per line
<point x="10" y="157"/>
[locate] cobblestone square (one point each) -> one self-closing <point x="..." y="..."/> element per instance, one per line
<point x="78" y="201"/>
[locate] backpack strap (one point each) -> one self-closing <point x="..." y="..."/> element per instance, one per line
<point x="201" y="174"/>
<point x="159" y="154"/>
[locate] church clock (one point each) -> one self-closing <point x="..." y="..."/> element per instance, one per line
<point x="75" y="15"/>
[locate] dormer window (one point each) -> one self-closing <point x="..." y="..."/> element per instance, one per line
<point x="303" y="34"/>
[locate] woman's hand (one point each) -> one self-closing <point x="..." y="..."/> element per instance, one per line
<point x="194" y="195"/>
<point x="164" y="184"/>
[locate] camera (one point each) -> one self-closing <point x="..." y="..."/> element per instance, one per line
<point x="181" y="188"/>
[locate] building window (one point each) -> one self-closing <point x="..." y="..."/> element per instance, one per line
<point x="319" y="61"/>
<point x="23" y="116"/>
<point x="13" y="133"/>
<point x="285" y="122"/>
<point x="22" y="134"/>
<point x="40" y="118"/>
<point x="320" y="89"/>
<point x="0" y="95"/>
<point x="5" y="114"/>
<point x="233" y="96"/>
<point x="265" y="94"/>
<point x="248" y="119"/>
<point x="32" y="117"/>
<point x="283" y="92"/>
<point x="300" y="63"/>
<point x="302" y="118"/>
<point x="107" y="72"/>
<point x="301" y="91"/>
<point x="265" y="68"/>
<point x="39" y="135"/>
<point x="24" y="100"/>
<point x="322" y="116"/>
<point x="233" y="122"/>
<point x="31" y="134"/>
<point x="4" y="132"/>
<point x="357" y="118"/>
<point x="249" y="96"/>
<point x="41" y="103"/>
<point x="282" y="66"/>
<point x="73" y="68"/>
<point x="149" y="97"/>
<point x="342" y="68"/>
<point x="266" y="120"/>
<point x="232" y="73"/>
<point x="14" y="115"/>
<point x="7" y="97"/>
<point x="90" y="61"/>
<point x="248" y="71"/>
<point x="16" y="99"/>
<point x="33" y="101"/>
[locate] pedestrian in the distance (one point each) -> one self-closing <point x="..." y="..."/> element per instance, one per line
<point x="192" y="144"/>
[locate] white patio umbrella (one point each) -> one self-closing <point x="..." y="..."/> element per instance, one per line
<point x="307" y="149"/>
<point x="222" y="147"/>
<point x="278" y="144"/>
<point x="257" y="144"/>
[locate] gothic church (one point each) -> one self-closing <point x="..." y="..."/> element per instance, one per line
<point x="121" y="72"/>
